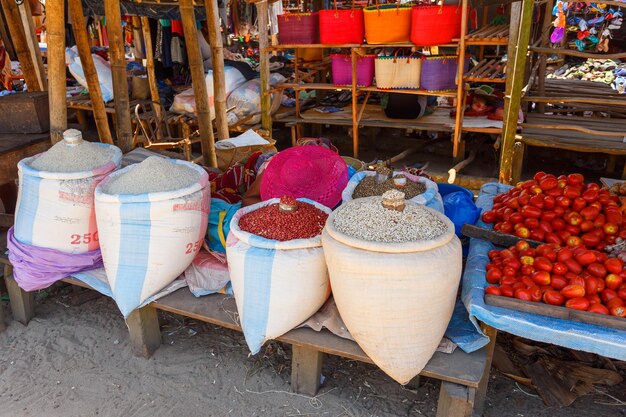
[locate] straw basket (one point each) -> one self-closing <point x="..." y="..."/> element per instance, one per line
<point x="435" y="25"/>
<point x="398" y="71"/>
<point x="388" y="23"/>
<point x="341" y="26"/>
<point x="298" y="28"/>
<point x="440" y="72"/>
<point x="341" y="65"/>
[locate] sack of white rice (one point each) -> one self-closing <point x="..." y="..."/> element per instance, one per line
<point x="152" y="219"/>
<point x="55" y="207"/>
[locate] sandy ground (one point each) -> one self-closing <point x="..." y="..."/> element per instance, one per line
<point x="76" y="361"/>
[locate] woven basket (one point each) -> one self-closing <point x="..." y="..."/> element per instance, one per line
<point x="298" y="28"/>
<point x="398" y="71"/>
<point x="341" y="26"/>
<point x="440" y="72"/>
<point x="387" y="23"/>
<point x="341" y="65"/>
<point x="311" y="54"/>
<point x="435" y="25"/>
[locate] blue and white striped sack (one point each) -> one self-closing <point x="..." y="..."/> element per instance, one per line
<point x="277" y="285"/>
<point x="55" y="210"/>
<point x="148" y="240"/>
<point x="429" y="198"/>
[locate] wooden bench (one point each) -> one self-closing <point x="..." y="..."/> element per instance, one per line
<point x="464" y="376"/>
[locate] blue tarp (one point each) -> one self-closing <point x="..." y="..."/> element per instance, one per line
<point x="574" y="335"/>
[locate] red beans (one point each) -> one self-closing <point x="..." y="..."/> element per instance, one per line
<point x="272" y="223"/>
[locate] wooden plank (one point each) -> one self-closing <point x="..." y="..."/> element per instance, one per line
<point x="458" y="153"/>
<point x="481" y="391"/>
<point x="458" y="367"/>
<point x="519" y="149"/>
<point x="556" y="312"/>
<point x="495" y="237"/>
<point x="576" y="53"/>
<point x="266" y="99"/>
<point x="521" y="18"/>
<point x="355" y="103"/>
<point x="196" y="66"/>
<point x="118" y="73"/>
<point x="152" y="81"/>
<point x="306" y="370"/>
<point x="144" y="330"/>
<point x="455" y="400"/>
<point x="79" y="27"/>
<point x="22" y="302"/>
<point x="28" y="24"/>
<point x="219" y="77"/>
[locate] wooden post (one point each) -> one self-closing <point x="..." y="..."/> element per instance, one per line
<point x="355" y="103"/>
<point x="14" y="22"/>
<point x="266" y="100"/>
<point x="541" y="76"/>
<point x="6" y="38"/>
<point x="306" y="370"/>
<point x="55" y="25"/>
<point x="26" y="16"/>
<point x="144" y="331"/>
<point x="118" y="72"/>
<point x="152" y="81"/>
<point x="22" y="302"/>
<point x="455" y="400"/>
<point x="196" y="66"/>
<point x="79" y="26"/>
<point x="461" y="93"/>
<point x="217" y="58"/>
<point x="481" y="391"/>
<point x="518" y="48"/>
<point x="519" y="149"/>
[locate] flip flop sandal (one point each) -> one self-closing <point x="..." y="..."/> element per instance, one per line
<point x="582" y="24"/>
<point x="557" y="35"/>
<point x="580" y="45"/>
<point x="596" y="20"/>
<point x="582" y="34"/>
<point x="593" y="39"/>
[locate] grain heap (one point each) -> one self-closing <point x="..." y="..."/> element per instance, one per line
<point x="367" y="219"/>
<point x="287" y="220"/>
<point x="369" y="187"/>
<point x="154" y="174"/>
<point x="72" y="154"/>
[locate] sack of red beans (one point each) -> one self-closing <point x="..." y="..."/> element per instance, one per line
<point x="277" y="266"/>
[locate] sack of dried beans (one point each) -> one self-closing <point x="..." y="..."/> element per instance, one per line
<point x="277" y="266"/>
<point x="395" y="268"/>
<point x="418" y="190"/>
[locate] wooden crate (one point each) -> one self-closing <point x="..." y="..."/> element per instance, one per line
<point x="25" y="113"/>
<point x="556" y="311"/>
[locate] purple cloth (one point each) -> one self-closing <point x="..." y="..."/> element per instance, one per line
<point x="35" y="268"/>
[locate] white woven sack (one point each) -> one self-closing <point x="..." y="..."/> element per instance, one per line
<point x="148" y="240"/>
<point x="396" y="299"/>
<point x="55" y="210"/>
<point x="429" y="198"/>
<point x="399" y="72"/>
<point x="277" y="285"/>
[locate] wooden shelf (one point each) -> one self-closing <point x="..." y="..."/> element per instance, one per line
<point x="323" y="86"/>
<point x="487" y="71"/>
<point x="572" y="52"/>
<point x="439" y="93"/>
<point x="489" y="35"/>
<point x="355" y="45"/>
<point x="576" y="91"/>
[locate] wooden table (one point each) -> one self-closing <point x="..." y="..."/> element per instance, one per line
<point x="464" y="377"/>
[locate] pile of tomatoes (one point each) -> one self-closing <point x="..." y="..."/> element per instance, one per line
<point x="561" y="210"/>
<point x="575" y="277"/>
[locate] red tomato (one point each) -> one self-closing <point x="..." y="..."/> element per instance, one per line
<point x="531" y="223"/>
<point x="598" y="308"/>
<point x="522" y="232"/>
<point x="571" y="192"/>
<point x="510" y="281"/>
<point x="573" y="230"/>
<point x="548" y="183"/>
<point x="523" y="294"/>
<point x="494" y="275"/>
<point x="615" y="302"/>
<point x="607" y="295"/>
<point x="575" y="179"/>
<point x="516" y="218"/>
<point x="589" y="213"/>
<point x="613" y="281"/>
<point x="531" y="212"/>
<point x="558" y="282"/>
<point x="591" y="285"/>
<point x="574" y="218"/>
<point x="536" y="201"/>
<point x="600" y="220"/>
<point x="553" y="297"/>
<point x="549" y="202"/>
<point x="506" y="227"/>
<point x="621" y="293"/>
<point x="527" y="269"/>
<point x="578" y="280"/>
<point x="513" y="263"/>
<point x="586" y="258"/>
<point x="563" y="201"/>
<point x="506" y="290"/>
<point x="564" y="254"/>
<point x="610" y="229"/>
<point x="527" y="281"/>
<point x="577" y="303"/>
<point x="521" y="245"/>
<point x="593" y="298"/>
<point x="543" y="264"/>
<point x="553" y="238"/>
<point x="493" y="290"/>
<point x="573" y="291"/>
<point x="559" y="268"/>
<point x="597" y="270"/>
<point x="578" y="204"/>
<point x="618" y="311"/>
<point x="541" y="278"/>
<point x="590" y="196"/>
<point x="573" y="266"/>
<point x="535" y="293"/>
<point x="537" y="234"/>
<point x="586" y="226"/>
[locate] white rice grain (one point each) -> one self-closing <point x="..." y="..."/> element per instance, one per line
<point x="85" y="156"/>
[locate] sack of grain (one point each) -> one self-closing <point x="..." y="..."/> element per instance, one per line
<point x="152" y="218"/>
<point x="395" y="273"/>
<point x="277" y="284"/>
<point x="429" y="195"/>
<point x="55" y="208"/>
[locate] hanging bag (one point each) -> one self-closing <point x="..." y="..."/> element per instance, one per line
<point x="436" y="24"/>
<point x="341" y="65"/>
<point x="339" y="27"/>
<point x="298" y="28"/>
<point x="398" y="71"/>
<point x="388" y="23"/>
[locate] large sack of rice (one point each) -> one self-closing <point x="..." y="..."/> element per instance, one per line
<point x="395" y="273"/>
<point x="55" y="204"/>
<point x="419" y="190"/>
<point x="152" y="219"/>
<point x="277" y="267"/>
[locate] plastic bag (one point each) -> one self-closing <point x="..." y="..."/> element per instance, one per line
<point x="103" y="69"/>
<point x="247" y="100"/>
<point x="460" y="208"/>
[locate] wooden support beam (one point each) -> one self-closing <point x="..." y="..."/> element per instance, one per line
<point x="217" y="58"/>
<point x="355" y="103"/>
<point x="26" y="16"/>
<point x="118" y="72"/>
<point x="306" y="370"/>
<point x="152" y="81"/>
<point x="461" y="93"/>
<point x="144" y="331"/>
<point x="481" y="391"/>
<point x="207" y="140"/>
<point x="266" y="101"/>
<point x="455" y="400"/>
<point x="22" y="302"/>
<point x="14" y="23"/>
<point x="518" y="48"/>
<point x="79" y="26"/>
<point x="6" y="37"/>
<point x="55" y="26"/>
